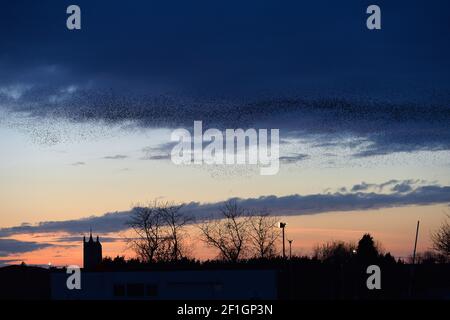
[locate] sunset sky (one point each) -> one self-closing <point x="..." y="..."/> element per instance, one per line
<point x="86" y="118"/>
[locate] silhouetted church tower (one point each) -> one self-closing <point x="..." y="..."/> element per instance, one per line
<point x="92" y="252"/>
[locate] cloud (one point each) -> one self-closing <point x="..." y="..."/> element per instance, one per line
<point x="159" y="152"/>
<point x="298" y="157"/>
<point x="80" y="238"/>
<point x="295" y="204"/>
<point x="377" y="128"/>
<point x="388" y="183"/>
<point x="361" y="187"/>
<point x="13" y="92"/>
<point x="78" y="163"/>
<point x="158" y="157"/>
<point x="109" y="222"/>
<point x="7" y="262"/>
<point x="12" y="246"/>
<point x="392" y="185"/>
<point x="116" y="157"/>
<point x="402" y="187"/>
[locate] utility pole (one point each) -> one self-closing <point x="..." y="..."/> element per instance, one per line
<point x="282" y="226"/>
<point x="290" y="249"/>
<point x="415" y="243"/>
<point x="411" y="276"/>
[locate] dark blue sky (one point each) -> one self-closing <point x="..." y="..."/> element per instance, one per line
<point x="224" y="48"/>
<point x="302" y="66"/>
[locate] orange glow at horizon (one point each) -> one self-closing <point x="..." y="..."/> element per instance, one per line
<point x="394" y="228"/>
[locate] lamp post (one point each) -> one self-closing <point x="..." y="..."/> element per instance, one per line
<point x="290" y="249"/>
<point x="282" y="226"/>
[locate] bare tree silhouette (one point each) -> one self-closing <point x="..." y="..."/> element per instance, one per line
<point x="229" y="234"/>
<point x="146" y="223"/>
<point x="159" y="232"/>
<point x="263" y="234"/>
<point x="175" y="223"/>
<point x="441" y="238"/>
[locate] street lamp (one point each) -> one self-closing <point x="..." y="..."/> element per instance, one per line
<point x="282" y="225"/>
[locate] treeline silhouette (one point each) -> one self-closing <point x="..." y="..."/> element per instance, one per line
<point x="365" y="252"/>
<point x="247" y="240"/>
<point x="336" y="270"/>
<point x="241" y="235"/>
